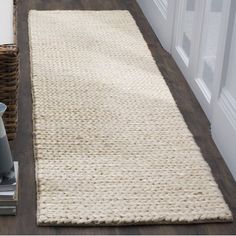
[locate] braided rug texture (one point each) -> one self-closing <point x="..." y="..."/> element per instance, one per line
<point x="110" y="144"/>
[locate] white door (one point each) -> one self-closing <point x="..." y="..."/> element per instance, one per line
<point x="224" y="103"/>
<point x="160" y="14"/>
<point x="199" y="30"/>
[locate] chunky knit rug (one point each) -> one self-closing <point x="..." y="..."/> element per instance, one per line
<point x="110" y="144"/>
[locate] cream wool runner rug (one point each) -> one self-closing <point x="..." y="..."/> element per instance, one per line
<point x="111" y="146"/>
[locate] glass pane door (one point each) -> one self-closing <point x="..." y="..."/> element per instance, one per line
<point x="209" y="44"/>
<point x="185" y="34"/>
<point x="199" y="31"/>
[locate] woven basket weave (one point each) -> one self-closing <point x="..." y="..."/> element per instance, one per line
<point x="9" y="79"/>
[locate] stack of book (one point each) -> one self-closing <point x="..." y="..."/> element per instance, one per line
<point x="9" y="192"/>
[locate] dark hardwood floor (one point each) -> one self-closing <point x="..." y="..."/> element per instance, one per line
<point x="25" y="221"/>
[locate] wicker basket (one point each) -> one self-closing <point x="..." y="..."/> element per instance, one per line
<point x="9" y="79"/>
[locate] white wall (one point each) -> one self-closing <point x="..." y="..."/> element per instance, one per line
<point x="6" y="22"/>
